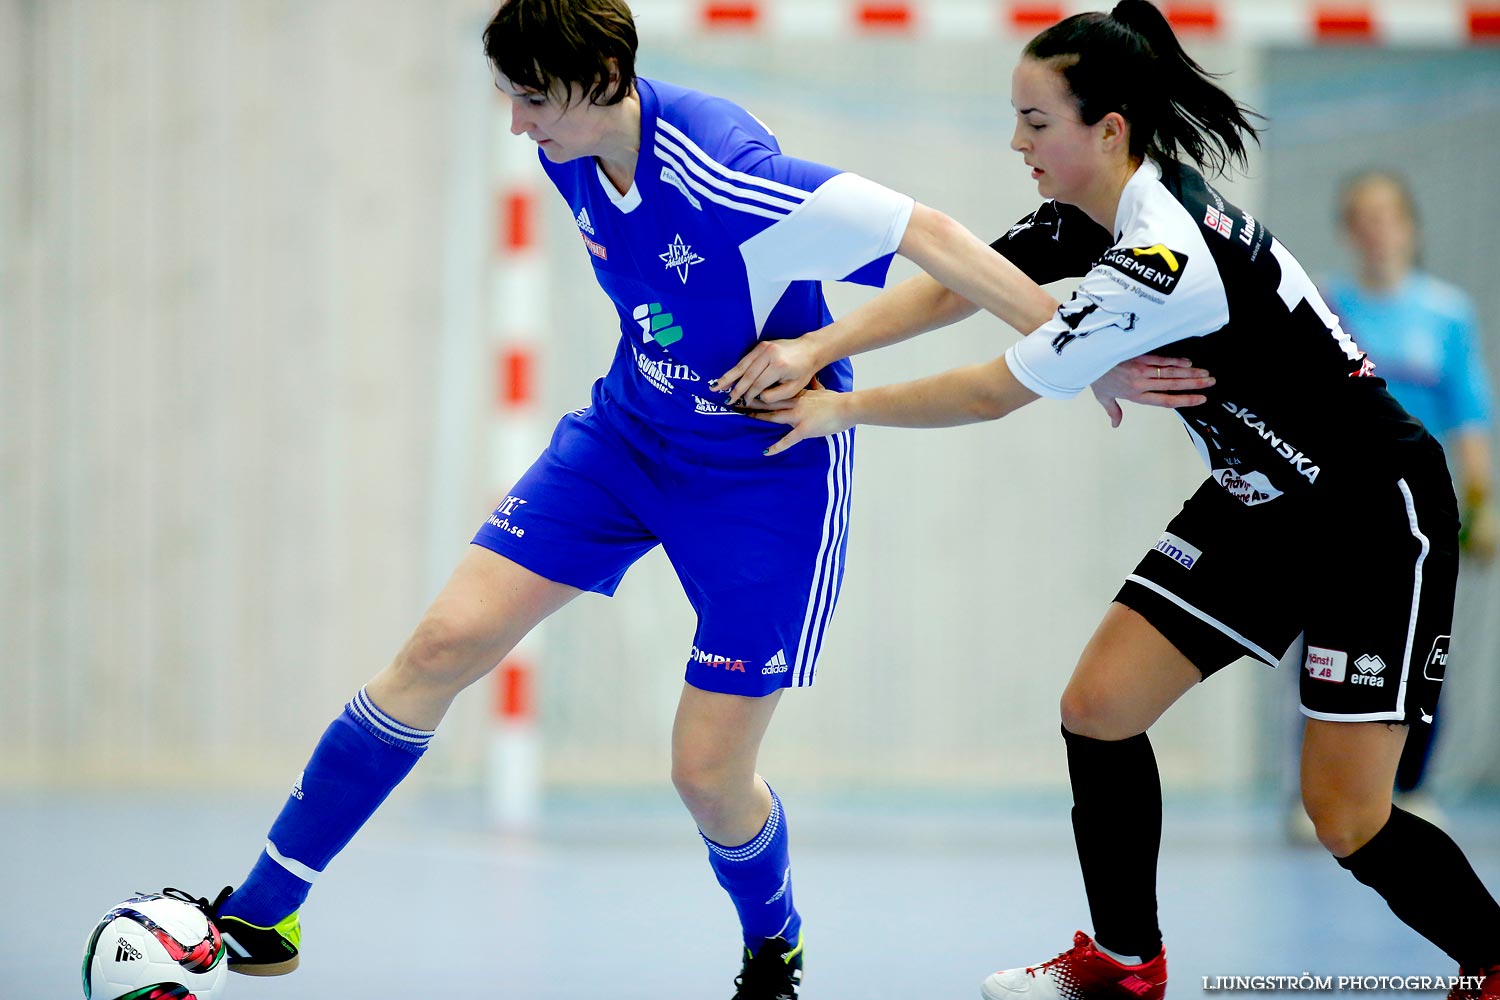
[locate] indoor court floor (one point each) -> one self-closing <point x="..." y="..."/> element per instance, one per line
<point x="614" y="898"/>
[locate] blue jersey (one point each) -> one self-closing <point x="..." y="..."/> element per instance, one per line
<point x="1422" y="339"/>
<point x="720" y="242"/>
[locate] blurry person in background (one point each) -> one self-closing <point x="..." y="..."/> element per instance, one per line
<point x="1422" y="334"/>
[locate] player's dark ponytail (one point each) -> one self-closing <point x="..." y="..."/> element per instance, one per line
<point x="1130" y="61"/>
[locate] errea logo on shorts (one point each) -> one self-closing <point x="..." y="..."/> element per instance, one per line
<point x="1370" y="667"/>
<point x="1326" y="664"/>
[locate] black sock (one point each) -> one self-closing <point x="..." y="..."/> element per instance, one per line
<point x="1117" y="827"/>
<point x="1431" y="886"/>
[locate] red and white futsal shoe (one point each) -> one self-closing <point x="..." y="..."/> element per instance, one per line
<point x="1082" y="972"/>
<point x="1489" y="987"/>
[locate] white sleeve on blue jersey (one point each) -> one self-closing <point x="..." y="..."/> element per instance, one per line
<point x="793" y="220"/>
<point x="1122" y="310"/>
<point x="841" y="228"/>
<point x="847" y="229"/>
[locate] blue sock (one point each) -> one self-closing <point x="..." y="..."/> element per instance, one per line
<point x="362" y="756"/>
<point x="758" y="877"/>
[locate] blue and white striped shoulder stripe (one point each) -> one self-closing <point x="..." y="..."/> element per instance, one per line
<point x="716" y="182"/>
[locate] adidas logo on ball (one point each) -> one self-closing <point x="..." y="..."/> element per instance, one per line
<point x="126" y="952"/>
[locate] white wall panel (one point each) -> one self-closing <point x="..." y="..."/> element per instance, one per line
<point x="240" y="272"/>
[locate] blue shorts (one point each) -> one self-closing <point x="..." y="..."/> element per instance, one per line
<point x="757" y="542"/>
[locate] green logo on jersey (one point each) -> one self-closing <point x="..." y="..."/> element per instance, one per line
<point x="656" y="325"/>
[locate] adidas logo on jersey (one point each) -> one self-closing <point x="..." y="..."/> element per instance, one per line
<point x="126" y="952"/>
<point x="776" y="664"/>
<point x="585" y="231"/>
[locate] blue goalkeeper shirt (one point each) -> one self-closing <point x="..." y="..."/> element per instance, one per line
<point x="1422" y="337"/>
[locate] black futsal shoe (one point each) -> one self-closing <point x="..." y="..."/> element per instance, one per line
<point x="772" y="973"/>
<point x="253" y="950"/>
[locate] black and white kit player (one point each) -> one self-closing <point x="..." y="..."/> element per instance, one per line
<point x="1328" y="512"/>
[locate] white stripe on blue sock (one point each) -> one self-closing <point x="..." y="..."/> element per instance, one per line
<point x="297" y="868"/>
<point x="753" y="849"/>
<point x="386" y="728"/>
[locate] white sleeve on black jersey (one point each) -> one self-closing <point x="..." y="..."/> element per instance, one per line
<point x="1138" y="297"/>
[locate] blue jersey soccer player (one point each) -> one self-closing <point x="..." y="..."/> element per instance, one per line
<point x="708" y="239"/>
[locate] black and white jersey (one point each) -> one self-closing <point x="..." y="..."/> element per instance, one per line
<point x="1295" y="406"/>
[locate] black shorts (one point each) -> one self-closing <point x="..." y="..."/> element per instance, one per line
<point x="1366" y="582"/>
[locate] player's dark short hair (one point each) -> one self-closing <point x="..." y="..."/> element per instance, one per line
<point x="1130" y="61"/>
<point x="565" y="44"/>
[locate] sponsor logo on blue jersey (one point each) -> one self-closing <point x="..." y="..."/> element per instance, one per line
<point x="657" y="325"/>
<point x="673" y="178"/>
<point x="664" y="372"/>
<point x="680" y="255"/>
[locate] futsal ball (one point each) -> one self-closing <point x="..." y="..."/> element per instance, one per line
<point x="154" y="947"/>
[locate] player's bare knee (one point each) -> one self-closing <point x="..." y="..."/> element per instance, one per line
<point x="1343" y="824"/>
<point x="706" y="786"/>
<point x="439" y="654"/>
<point x="697" y="781"/>
<point x="1340" y="838"/>
<point x="1088" y="712"/>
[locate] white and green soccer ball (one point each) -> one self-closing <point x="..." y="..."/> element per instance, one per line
<point x="154" y="947"/>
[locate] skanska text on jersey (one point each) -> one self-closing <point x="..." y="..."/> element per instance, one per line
<point x="1285" y="449"/>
